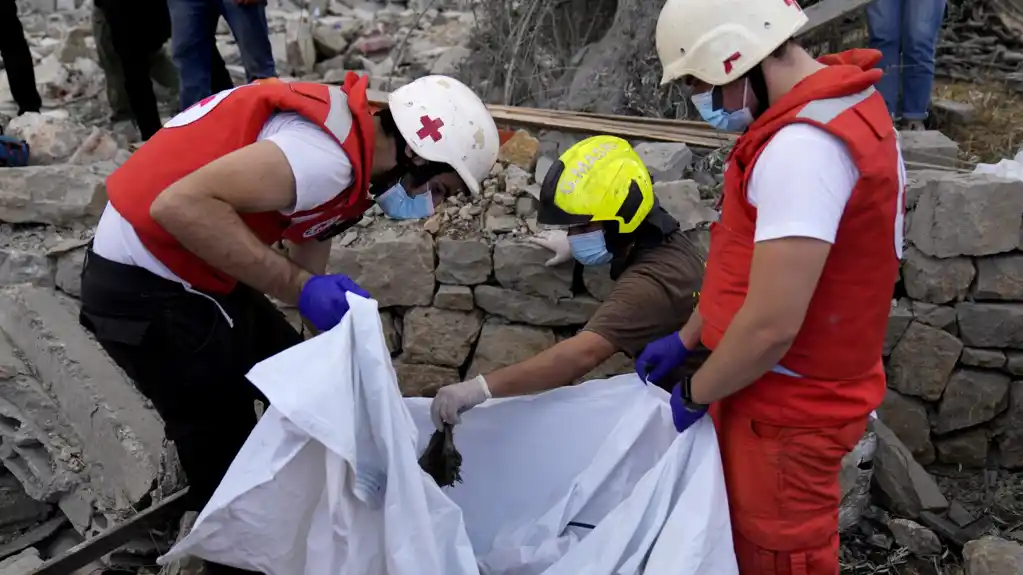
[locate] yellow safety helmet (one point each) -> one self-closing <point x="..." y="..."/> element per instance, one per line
<point x="600" y="179"/>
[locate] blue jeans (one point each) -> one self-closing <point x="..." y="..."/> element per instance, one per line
<point x="906" y="33"/>
<point x="194" y="24"/>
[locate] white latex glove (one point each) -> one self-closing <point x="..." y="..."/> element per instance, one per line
<point x="557" y="242"/>
<point x="452" y="400"/>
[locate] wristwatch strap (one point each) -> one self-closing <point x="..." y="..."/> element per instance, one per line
<point x="687" y="396"/>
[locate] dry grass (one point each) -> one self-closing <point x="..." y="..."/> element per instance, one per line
<point x="997" y="131"/>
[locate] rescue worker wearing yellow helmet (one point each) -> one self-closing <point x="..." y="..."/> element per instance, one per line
<point x="601" y="192"/>
<point x="800" y="275"/>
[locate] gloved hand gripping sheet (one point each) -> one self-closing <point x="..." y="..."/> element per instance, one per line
<point x="590" y="479"/>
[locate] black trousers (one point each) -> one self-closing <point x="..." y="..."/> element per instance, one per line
<point x="137" y="29"/>
<point x="182" y="354"/>
<point x="17" y="59"/>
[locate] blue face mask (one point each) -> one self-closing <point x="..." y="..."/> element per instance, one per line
<point x="397" y="204"/>
<point x="722" y="119"/>
<point x="589" y="249"/>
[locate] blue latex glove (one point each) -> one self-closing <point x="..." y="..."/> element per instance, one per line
<point x="683" y="416"/>
<point x="323" y="300"/>
<point x="660" y="357"/>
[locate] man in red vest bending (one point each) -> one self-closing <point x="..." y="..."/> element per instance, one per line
<point x="173" y="285"/>
<point x="800" y="274"/>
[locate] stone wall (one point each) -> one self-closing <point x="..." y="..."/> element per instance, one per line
<point x="466" y="292"/>
<point x="955" y="340"/>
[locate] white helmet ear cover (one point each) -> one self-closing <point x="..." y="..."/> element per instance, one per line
<point x="442" y="120"/>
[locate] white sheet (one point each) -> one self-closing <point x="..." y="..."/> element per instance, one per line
<point x="328" y="482"/>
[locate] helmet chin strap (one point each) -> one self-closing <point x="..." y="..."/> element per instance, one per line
<point x="759" y="86"/>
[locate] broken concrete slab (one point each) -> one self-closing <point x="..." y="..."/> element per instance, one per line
<point x="666" y="161"/>
<point x="93" y="434"/>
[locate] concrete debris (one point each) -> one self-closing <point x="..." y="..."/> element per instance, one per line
<point x="23" y="563"/>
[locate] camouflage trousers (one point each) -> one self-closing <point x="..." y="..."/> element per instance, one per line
<point x="162" y="70"/>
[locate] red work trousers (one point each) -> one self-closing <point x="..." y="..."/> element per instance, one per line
<point x="783" y="492"/>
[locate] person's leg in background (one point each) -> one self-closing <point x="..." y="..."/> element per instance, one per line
<point x="247" y="19"/>
<point x="18" y="59"/>
<point x="192" y="38"/>
<point x="133" y="44"/>
<point x="921" y="28"/>
<point x="884" y="23"/>
<point x="165" y="74"/>
<point x="783" y="492"/>
<point x="220" y="78"/>
<point x="111" y="65"/>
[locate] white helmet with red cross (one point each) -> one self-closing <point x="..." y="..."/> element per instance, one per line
<point x="718" y="41"/>
<point x="442" y="120"/>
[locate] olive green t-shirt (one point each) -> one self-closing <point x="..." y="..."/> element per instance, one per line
<point x="653" y="297"/>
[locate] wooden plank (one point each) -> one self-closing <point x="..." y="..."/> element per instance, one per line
<point x="829" y="11"/>
<point x="92" y="549"/>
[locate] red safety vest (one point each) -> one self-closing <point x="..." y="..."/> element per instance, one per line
<point x="838" y="349"/>
<point x="223" y="123"/>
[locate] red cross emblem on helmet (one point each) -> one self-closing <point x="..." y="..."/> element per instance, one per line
<point x="431" y="128"/>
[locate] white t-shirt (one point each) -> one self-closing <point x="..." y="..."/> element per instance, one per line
<point x="794" y="201"/>
<point x="322" y="170"/>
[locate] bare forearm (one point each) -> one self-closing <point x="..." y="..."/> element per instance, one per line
<point x="748" y="349"/>
<point x="212" y="230"/>
<point x="552" y="368"/>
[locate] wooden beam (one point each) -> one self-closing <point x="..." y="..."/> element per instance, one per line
<point x="95" y="548"/>
<point x="829" y="11"/>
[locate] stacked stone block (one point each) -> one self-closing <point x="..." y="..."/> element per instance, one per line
<point x="955" y="342"/>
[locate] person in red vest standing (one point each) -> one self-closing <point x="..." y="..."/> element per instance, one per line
<point x="800" y="274"/>
<point x="173" y="285"/>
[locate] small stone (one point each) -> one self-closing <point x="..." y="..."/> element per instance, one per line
<point x="348" y="239"/>
<point x="454" y="297"/>
<point x="374" y="43"/>
<point x="972" y="397"/>
<point x="968" y="448"/>
<point x="937" y="316"/>
<point x="521" y="150"/>
<point x="921" y="363"/>
<point x="525" y="206"/>
<point x="514" y="179"/>
<point x="997" y="325"/>
<point x="936" y="280"/>
<point x="463" y="262"/>
<point x="898" y="322"/>
<point x="681" y="199"/>
<point x="499" y="222"/>
<point x="439" y="336"/>
<point x="907" y="417"/>
<point x="977" y="357"/>
<point x="501" y="344"/>
<point x="432" y="224"/>
<point x="919" y="540"/>
<point x="521" y="266"/>
<point x="666" y="161"/>
<point x="416" y="380"/>
<point x="999" y="278"/>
